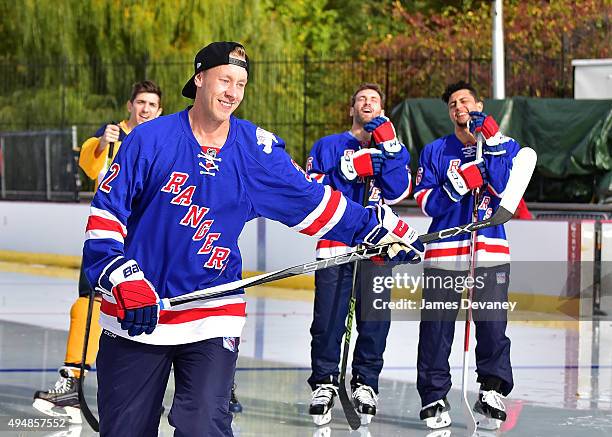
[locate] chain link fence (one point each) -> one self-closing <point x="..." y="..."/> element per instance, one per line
<point x="39" y="165"/>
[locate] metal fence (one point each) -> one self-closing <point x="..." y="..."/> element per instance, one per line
<point x="299" y="99"/>
<point x="39" y="165"/>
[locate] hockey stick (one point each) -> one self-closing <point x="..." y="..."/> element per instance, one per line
<point x="524" y="163"/>
<point x="465" y="405"/>
<point x="352" y="417"/>
<point x="89" y="417"/>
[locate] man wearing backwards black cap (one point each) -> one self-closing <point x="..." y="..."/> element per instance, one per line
<point x="166" y="222"/>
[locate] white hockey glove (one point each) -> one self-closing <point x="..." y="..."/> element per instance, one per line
<point x="404" y="240"/>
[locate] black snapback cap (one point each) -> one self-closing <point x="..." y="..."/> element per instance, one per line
<point x="213" y="55"/>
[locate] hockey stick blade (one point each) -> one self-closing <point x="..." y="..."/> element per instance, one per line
<point x="352" y="417"/>
<point x="522" y="169"/>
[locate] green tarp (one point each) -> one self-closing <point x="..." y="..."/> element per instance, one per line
<point x="573" y="139"/>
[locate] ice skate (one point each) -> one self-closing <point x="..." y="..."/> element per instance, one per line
<point x="436" y="415"/>
<point x="63" y="399"/>
<point x="234" y="406"/>
<point x="322" y="403"/>
<point x="365" y="401"/>
<point x="490" y="410"/>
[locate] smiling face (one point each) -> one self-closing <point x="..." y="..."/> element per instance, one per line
<point x="144" y="107"/>
<point x="460" y="104"/>
<point x="367" y="106"/>
<point x="220" y="90"/>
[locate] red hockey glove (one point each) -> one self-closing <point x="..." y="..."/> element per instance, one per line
<point x="485" y="124"/>
<point x="365" y="162"/>
<point x="481" y="122"/>
<point x="137" y="301"/>
<point x="384" y="136"/>
<point x="464" y="179"/>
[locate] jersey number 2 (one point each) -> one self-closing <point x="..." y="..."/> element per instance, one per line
<point x="113" y="172"/>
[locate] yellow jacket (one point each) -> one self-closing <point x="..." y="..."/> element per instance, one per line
<point x="95" y="166"/>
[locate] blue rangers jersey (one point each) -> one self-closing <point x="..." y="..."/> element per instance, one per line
<point x="178" y="209"/>
<point x="435" y="160"/>
<point x="391" y="186"/>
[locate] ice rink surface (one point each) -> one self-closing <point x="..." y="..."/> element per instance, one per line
<point x="562" y="369"/>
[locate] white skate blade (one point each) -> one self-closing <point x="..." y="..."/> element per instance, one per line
<point x="322" y="419"/>
<point x="365" y="418"/>
<point x="440" y="421"/>
<point x="73" y="414"/>
<point x="487" y="423"/>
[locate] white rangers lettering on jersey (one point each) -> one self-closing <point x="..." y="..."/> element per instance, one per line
<point x="184" y="197"/>
<point x="207" y="247"/>
<point x="218" y="258"/>
<point x="202" y="230"/>
<point x="194" y="216"/>
<point x="177" y="180"/>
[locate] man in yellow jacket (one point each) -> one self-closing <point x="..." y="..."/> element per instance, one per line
<point x="97" y="153"/>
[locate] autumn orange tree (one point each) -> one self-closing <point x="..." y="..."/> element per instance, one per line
<point x="541" y="38"/>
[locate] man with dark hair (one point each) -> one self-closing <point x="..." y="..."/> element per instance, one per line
<point x="457" y="86"/>
<point x="344" y="162"/>
<point x="446" y="179"/>
<point x="97" y="153"/>
<point x="166" y="221"/>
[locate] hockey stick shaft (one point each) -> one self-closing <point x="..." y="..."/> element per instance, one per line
<point x="471" y="421"/>
<point x="89" y="416"/>
<point x="500" y="217"/>
<point x="524" y="164"/>
<point x="348" y="408"/>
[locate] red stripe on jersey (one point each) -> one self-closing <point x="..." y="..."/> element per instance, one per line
<point x="181" y="316"/>
<point x="97" y="223"/>
<point x="421" y="196"/>
<point x="465" y="250"/>
<point x="326" y="215"/>
<point x="451" y="251"/>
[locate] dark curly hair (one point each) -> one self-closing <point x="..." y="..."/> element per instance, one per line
<point x="454" y="87"/>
